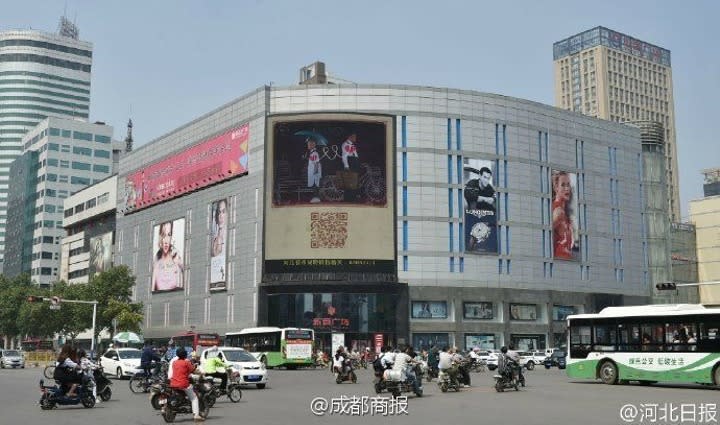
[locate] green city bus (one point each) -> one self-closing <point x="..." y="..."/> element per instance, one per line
<point x="646" y="344"/>
<point x="275" y="347"/>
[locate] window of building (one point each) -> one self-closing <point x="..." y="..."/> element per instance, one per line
<point x="99" y="153"/>
<point x="79" y="208"/>
<point x="65" y="148"/>
<point x="51" y="162"/>
<point x="103" y="198"/>
<point x="80" y="180"/>
<point x="79" y="135"/>
<point x="82" y="151"/>
<point x="80" y="166"/>
<point x="91" y="203"/>
<point x="64" y="163"/>
<point x="62" y="178"/>
<point x="53" y="146"/>
<point x="66" y="133"/>
<point x="54" y="131"/>
<point x="69" y="212"/>
<point x="102" y="139"/>
<point x="101" y="168"/>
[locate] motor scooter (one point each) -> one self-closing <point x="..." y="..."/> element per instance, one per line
<point x="346" y="374"/>
<point x="412" y="383"/>
<point x="52" y="396"/>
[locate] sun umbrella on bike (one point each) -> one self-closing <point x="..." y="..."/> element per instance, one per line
<point x="128" y="338"/>
<point x="319" y="138"/>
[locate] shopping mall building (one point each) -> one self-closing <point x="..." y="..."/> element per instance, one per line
<point x="423" y="214"/>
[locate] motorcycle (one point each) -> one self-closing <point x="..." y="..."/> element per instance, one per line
<point x="509" y="376"/>
<point x="396" y="385"/>
<point x="52" y="396"/>
<point x="347" y="374"/>
<point x="446" y="383"/>
<point x="142" y="382"/>
<point x="178" y="403"/>
<point x="159" y="391"/>
<point x="232" y="389"/>
<point x="102" y="384"/>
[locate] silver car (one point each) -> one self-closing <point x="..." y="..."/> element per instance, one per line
<point x="12" y="358"/>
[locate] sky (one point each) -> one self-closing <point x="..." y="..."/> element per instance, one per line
<point x="165" y="63"/>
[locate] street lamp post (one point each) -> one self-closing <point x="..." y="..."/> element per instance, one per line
<point x="94" y="303"/>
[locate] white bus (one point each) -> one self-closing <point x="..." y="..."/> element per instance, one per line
<point x="647" y="344"/>
<point x="289" y="347"/>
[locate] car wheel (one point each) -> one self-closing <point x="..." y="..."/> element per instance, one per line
<point x="2" y="365"/>
<point x="119" y="373"/>
<point x="530" y="365"/>
<point x="608" y="373"/>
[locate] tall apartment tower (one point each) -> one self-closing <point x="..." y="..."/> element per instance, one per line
<point x="612" y="76"/>
<point x="41" y="75"/>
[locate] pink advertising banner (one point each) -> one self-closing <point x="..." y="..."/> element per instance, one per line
<point x="206" y="163"/>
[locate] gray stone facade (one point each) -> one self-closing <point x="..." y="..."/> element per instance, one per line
<point x="436" y="129"/>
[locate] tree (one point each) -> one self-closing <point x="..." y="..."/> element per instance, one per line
<point x="113" y="291"/>
<point x="13" y="296"/>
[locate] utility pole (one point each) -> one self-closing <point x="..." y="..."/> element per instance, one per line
<point x="55" y="305"/>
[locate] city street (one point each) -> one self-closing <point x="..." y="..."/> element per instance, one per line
<point x="549" y="398"/>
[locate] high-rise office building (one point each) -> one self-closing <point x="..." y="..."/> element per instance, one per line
<point x="705" y="214"/>
<point x="41" y="75"/>
<point x="71" y="155"/>
<point x="610" y="75"/>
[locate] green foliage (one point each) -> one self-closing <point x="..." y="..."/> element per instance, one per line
<point x="112" y="290"/>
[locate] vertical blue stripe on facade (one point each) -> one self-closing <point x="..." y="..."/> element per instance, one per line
<point x="504" y="139"/>
<point x="450" y="202"/>
<point x="505" y="207"/>
<point x="458" y="134"/>
<point x="451" y="239"/>
<point x="461" y="238"/>
<point x="403" y="132"/>
<point x="404" y="166"/>
<point x="507" y="241"/>
<point x="452" y="264"/>
<point x="405" y="201"/>
<point x="405" y="235"/>
<point x="500" y="265"/>
<point x="449" y="134"/>
<point x="540" y="149"/>
<point x="505" y="173"/>
<point x="462" y="265"/>
<point x="547" y="142"/>
<point x="405" y="263"/>
<point x="459" y="169"/>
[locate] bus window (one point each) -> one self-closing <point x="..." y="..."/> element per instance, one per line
<point x="605" y="338"/>
<point x="629" y="337"/>
<point x="652" y="337"/>
<point x="709" y="337"/>
<point x="579" y="341"/>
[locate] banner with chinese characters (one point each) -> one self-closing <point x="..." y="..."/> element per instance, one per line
<point x="330" y="194"/>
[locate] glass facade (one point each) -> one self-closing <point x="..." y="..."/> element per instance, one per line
<point x="358" y="316"/>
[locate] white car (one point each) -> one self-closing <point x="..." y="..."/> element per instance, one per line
<point x="121" y="362"/>
<point x="530" y="359"/>
<point x="12" y="358"/>
<point x="252" y="372"/>
<point x="490" y="357"/>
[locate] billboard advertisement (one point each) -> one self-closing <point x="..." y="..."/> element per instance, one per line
<point x="477" y="310"/>
<point x="523" y="312"/>
<point x="167" y="256"/>
<point x="429" y="310"/>
<point x="218" y="248"/>
<point x="480" y="207"/>
<point x="100" y="253"/>
<point x="330" y="201"/>
<point x="219" y="158"/>
<point x="566" y="239"/>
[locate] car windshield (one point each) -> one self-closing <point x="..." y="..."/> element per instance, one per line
<point x="558" y="354"/>
<point x="11" y="353"/>
<point x="239" y="356"/>
<point x="130" y="354"/>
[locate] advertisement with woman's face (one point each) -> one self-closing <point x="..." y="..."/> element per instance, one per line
<point x="564" y="213"/>
<point x="167" y="256"/>
<point x="218" y="246"/>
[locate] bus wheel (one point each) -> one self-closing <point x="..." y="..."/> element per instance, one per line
<point x="608" y="373"/>
<point x="716" y="374"/>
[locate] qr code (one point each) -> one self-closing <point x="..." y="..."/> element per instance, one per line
<point x="328" y="229"/>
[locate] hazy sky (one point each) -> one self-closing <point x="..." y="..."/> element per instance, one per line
<point x="167" y="62"/>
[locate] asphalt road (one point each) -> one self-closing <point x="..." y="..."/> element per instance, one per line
<point x="549" y="398"/>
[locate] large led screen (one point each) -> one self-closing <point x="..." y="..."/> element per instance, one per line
<point x="566" y="240"/>
<point x="167" y="256"/>
<point x="330" y="200"/>
<point x="218" y="246"/>
<point x="100" y="253"/>
<point x="219" y="158"/>
<point x="480" y="207"/>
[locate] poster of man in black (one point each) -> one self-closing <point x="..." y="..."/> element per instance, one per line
<point x="480" y="207"/>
